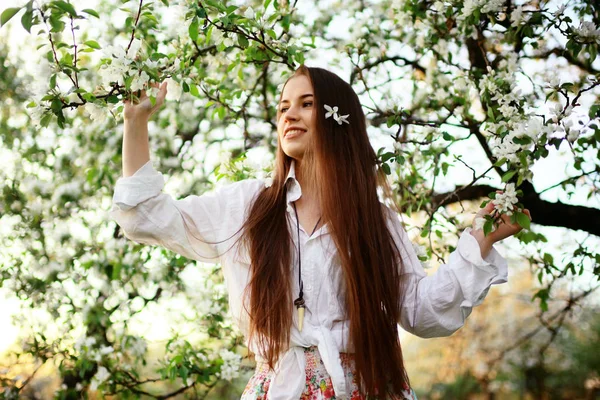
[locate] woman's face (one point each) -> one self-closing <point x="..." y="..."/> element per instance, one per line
<point x="298" y="117"/>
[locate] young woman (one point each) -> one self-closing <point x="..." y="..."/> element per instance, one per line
<point x="319" y="272"/>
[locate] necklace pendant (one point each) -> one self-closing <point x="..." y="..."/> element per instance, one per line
<point x="300" y="317"/>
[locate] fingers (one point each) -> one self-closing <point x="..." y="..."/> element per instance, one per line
<point x="162" y="92"/>
<point x="528" y="213"/>
<point x="489" y="207"/>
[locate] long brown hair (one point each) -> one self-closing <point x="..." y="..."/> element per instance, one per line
<point x="343" y="168"/>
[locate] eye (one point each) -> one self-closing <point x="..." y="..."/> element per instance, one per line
<point x="309" y="103"/>
<point x="283" y="109"/>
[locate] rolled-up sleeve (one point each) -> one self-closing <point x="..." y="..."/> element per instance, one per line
<point x="438" y="304"/>
<point x="197" y="227"/>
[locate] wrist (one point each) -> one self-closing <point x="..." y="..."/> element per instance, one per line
<point x="485" y="243"/>
<point x="136" y="119"/>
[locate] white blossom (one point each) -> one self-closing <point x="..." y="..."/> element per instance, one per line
<point x="84" y="343"/>
<point x="505" y="201"/>
<point x="180" y="23"/>
<point x="268" y="181"/>
<point x="101" y="376"/>
<point x="134" y="48"/>
<point x="104" y="350"/>
<point x="249" y="13"/>
<point x="231" y="365"/>
<point x="517" y="17"/>
<point x="73" y="98"/>
<point x="560" y="10"/>
<point x="479" y="223"/>
<point x="174" y="89"/>
<point x="70" y="189"/>
<point x="573" y="135"/>
<point x="139" y="81"/>
<point x="588" y="31"/>
<point x="151" y="64"/>
<point x="36" y="113"/>
<point x="95" y="112"/>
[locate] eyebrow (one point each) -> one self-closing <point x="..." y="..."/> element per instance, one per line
<point x="302" y="97"/>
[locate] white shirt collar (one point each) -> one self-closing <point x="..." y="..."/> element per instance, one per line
<point x="294" y="191"/>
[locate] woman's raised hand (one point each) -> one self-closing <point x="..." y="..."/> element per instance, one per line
<point x="503" y="230"/>
<point x="143" y="108"/>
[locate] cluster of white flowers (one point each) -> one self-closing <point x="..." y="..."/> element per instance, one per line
<point x="567" y="124"/>
<point x="179" y="24"/>
<point x="231" y="365"/>
<point x="517" y="17"/>
<point x="421" y="254"/>
<point x="95" y="112"/>
<point x="70" y="189"/>
<point x="505" y="201"/>
<point x="485" y="6"/>
<point x="101" y="376"/>
<point x="588" y="32"/>
<point x="136" y="345"/>
<point x="120" y="63"/>
<point x="174" y="89"/>
<point x="506" y="147"/>
<point x="86" y="346"/>
<point x="36" y="113"/>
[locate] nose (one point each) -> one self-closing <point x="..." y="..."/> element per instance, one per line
<point x="291" y="114"/>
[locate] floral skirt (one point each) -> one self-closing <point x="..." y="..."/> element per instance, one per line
<point x="318" y="383"/>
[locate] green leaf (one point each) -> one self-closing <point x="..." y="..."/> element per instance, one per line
<point x="391" y="121"/>
<point x="8" y="14"/>
<point x="193" y="29"/>
<point x="543" y="295"/>
<point x="243" y="41"/>
<point x="523" y="220"/>
<point x="271" y="33"/>
<point x="194" y="91"/>
<point x="93" y="44"/>
<point x="66" y="7"/>
<point x="386" y="156"/>
<point x="447" y="136"/>
<point x="506" y="177"/>
<point x="386" y="169"/>
<point x="490" y="114"/>
<point x="488" y="226"/>
<point x="208" y="34"/>
<point x="27" y="20"/>
<point x="500" y="162"/>
<point x="93" y="13"/>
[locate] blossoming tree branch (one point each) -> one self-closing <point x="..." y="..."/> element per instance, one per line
<point x="467" y="101"/>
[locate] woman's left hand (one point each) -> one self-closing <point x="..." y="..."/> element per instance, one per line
<point x="504" y="229"/>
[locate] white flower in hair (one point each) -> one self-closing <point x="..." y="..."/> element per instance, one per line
<point x="341" y="118"/>
<point x="333" y="111"/>
<point x="330" y="111"/>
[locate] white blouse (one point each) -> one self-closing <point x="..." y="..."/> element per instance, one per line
<point x="205" y="228"/>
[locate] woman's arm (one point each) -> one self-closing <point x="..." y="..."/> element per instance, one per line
<point x="438" y="304"/>
<point x="196" y="227"/>
<point x="136" y="150"/>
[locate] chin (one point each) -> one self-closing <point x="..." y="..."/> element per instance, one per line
<point x="296" y="155"/>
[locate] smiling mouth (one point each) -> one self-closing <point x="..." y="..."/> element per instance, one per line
<point x="293" y="133"/>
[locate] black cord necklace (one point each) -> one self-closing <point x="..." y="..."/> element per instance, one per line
<point x="299" y="302"/>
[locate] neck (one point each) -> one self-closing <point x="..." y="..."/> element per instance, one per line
<point x="309" y="193"/>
